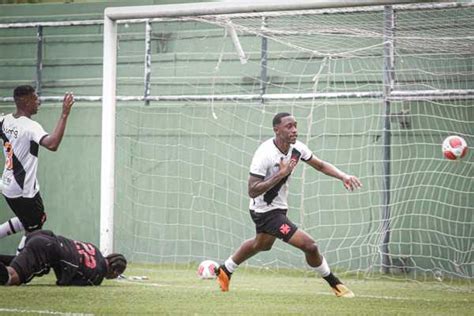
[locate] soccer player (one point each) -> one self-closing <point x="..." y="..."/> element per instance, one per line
<point x="21" y="139"/>
<point x="73" y="262"/>
<point x="271" y="167"/>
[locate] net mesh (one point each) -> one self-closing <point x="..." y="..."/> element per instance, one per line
<point x="182" y="167"/>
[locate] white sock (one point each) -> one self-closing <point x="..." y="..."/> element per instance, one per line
<point x="230" y="265"/>
<point x="323" y="269"/>
<point x="12" y="226"/>
<point x="21" y="245"/>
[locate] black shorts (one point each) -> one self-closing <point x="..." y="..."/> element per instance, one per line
<point x="274" y="223"/>
<point x="30" y="211"/>
<point x="41" y="251"/>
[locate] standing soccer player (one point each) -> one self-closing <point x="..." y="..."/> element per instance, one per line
<point x="270" y="170"/>
<point x="74" y="262"/>
<point x="21" y="139"/>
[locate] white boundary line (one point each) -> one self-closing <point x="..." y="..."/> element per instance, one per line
<point x="379" y="297"/>
<point x="22" y="311"/>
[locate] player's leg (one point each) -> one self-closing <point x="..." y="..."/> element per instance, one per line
<point x="37" y="258"/>
<point x="8" y="275"/>
<point x="6" y="259"/>
<point x="306" y="243"/>
<point x="265" y="226"/>
<point x="248" y="249"/>
<point x="30" y="212"/>
<point x="10" y="227"/>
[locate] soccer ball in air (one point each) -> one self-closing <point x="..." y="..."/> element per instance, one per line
<point x="454" y="147"/>
<point x="206" y="269"/>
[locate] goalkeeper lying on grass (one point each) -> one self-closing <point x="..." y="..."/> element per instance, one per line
<point x="73" y="262"/>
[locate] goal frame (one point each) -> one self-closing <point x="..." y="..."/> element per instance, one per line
<point x="113" y="14"/>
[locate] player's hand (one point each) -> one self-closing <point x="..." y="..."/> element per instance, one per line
<point x="68" y="101"/>
<point x="351" y="182"/>
<point x="287" y="167"/>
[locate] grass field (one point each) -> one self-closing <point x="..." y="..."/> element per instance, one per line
<point x="179" y="291"/>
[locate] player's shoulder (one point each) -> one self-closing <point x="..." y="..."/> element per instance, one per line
<point x="265" y="147"/>
<point x="306" y="153"/>
<point x="29" y="123"/>
<point x="29" y="120"/>
<point x="267" y="143"/>
<point x="21" y="121"/>
<point x="4" y="116"/>
<point x="300" y="145"/>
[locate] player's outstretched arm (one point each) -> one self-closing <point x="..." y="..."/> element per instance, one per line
<point x="53" y="140"/>
<point x="350" y="182"/>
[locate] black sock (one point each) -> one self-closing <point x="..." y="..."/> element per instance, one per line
<point x="225" y="270"/>
<point x="4" y="276"/>
<point x="332" y="280"/>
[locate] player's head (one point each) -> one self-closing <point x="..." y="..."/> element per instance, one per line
<point x="26" y="99"/>
<point x="284" y="126"/>
<point x="116" y="265"/>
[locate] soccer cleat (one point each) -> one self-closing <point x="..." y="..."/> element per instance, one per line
<point x="223" y="278"/>
<point x="342" y="291"/>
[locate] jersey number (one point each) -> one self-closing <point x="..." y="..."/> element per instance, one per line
<point x="8" y="155"/>
<point x="87" y="252"/>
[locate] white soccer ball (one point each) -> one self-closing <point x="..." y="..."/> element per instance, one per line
<point x="454" y="147"/>
<point x="206" y="269"/>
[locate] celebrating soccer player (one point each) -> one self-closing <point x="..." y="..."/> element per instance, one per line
<point x="21" y="139"/>
<point x="271" y="167"/>
<point x="74" y="262"/>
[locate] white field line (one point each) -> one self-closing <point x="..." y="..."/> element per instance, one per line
<point x="31" y="311"/>
<point x="378" y="297"/>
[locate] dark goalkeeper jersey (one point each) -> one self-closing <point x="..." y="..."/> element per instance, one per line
<point x="81" y="263"/>
<point x="73" y="262"/>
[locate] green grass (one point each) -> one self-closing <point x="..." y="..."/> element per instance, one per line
<point x="178" y="291"/>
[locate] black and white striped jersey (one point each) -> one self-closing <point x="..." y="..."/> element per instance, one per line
<point x="21" y="138"/>
<point x="265" y="163"/>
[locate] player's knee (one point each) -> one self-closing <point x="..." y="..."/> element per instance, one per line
<point x="260" y="246"/>
<point x="266" y="247"/>
<point x="310" y="247"/>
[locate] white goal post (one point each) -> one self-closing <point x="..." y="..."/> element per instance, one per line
<point x="375" y="87"/>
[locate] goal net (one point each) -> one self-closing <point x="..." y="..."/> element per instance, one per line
<point x="374" y="90"/>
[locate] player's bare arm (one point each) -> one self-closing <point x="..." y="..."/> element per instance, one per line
<point x="53" y="140"/>
<point x="258" y="186"/>
<point x="350" y="182"/>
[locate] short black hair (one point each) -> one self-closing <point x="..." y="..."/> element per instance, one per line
<point x="22" y="91"/>
<point x="117" y="262"/>
<point x="277" y="118"/>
